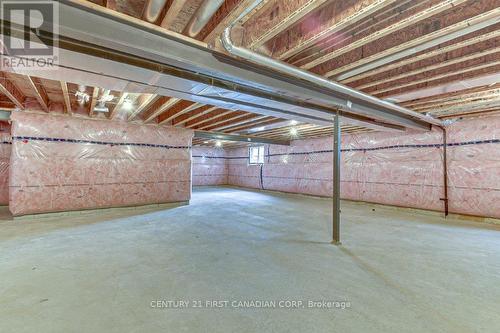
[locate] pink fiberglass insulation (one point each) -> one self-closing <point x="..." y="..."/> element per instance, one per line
<point x="402" y="169"/>
<point x="61" y="163"/>
<point x="5" y="148"/>
<point x="209" y="166"/>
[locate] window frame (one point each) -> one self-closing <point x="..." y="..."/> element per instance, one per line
<point x="259" y="156"/>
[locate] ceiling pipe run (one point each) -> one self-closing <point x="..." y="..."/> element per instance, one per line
<point x="202" y="16"/>
<point x="171" y="14"/>
<point x="153" y="10"/>
<point x="301" y="74"/>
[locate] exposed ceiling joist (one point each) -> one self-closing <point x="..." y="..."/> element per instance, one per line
<point x="209" y="117"/>
<point x="437" y="79"/>
<point x="242" y="120"/>
<point x="66" y="98"/>
<point x="193" y="114"/>
<point x="165" y="104"/>
<point x="40" y="93"/>
<point x="416" y="45"/>
<point x="341" y="18"/>
<point x="240" y="9"/>
<point x="276" y="17"/>
<point x="93" y="101"/>
<point x="406" y="22"/>
<point x="420" y="70"/>
<point x="119" y="104"/>
<point x="426" y="55"/>
<point x="10" y="90"/>
<point x="144" y="101"/>
<point x="173" y="112"/>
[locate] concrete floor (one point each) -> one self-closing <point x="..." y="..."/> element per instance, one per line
<point x="399" y="271"/>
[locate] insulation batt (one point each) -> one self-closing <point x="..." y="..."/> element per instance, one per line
<point x="209" y="166"/>
<point x="5" y="150"/>
<point x="396" y="175"/>
<point x="51" y="176"/>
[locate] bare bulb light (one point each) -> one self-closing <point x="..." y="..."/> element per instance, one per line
<point x="218" y="143"/>
<point x="293" y="131"/>
<point x="127" y="104"/>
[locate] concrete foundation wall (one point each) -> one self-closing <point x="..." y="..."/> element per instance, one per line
<point x="401" y="169"/>
<point x="60" y="163"/>
<point x="209" y="166"/>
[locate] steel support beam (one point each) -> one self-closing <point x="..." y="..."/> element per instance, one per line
<point x="240" y="138"/>
<point x="336" y="181"/>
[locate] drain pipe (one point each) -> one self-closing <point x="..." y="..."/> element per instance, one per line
<point x="315" y="79"/>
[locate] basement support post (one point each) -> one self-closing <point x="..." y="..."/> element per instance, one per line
<point x="336" y="181"/>
<point x="445" y="173"/>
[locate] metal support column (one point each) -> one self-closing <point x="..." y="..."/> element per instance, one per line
<point x="336" y="181"/>
<point x="445" y="173"/>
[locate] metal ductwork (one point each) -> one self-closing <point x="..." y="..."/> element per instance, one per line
<point x="153" y="9"/>
<point x="171" y="14"/>
<point x="202" y="16"/>
<point x="333" y="87"/>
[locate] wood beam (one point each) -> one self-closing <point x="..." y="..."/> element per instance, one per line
<point x="442" y="50"/>
<point x="380" y="17"/>
<point x="146" y="99"/>
<point x="193" y="114"/>
<point x="233" y="115"/>
<point x="243" y="120"/>
<point x="40" y="93"/>
<point x="333" y="18"/>
<point x="66" y="98"/>
<point x="451" y="99"/>
<point x="276" y="17"/>
<point x="212" y="116"/>
<point x="484" y="17"/>
<point x="177" y="110"/>
<point x="393" y="78"/>
<point x="161" y="106"/>
<point x="447" y="78"/>
<point x="409" y="21"/>
<point x="93" y="101"/>
<point x="209" y="34"/>
<point x="10" y="90"/>
<point x="118" y="105"/>
<point x="438" y="79"/>
<point x="259" y="121"/>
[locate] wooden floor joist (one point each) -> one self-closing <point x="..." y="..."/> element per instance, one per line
<point x="430" y="68"/>
<point x="409" y="21"/>
<point x="359" y="12"/>
<point x="491" y="15"/>
<point x="426" y="55"/>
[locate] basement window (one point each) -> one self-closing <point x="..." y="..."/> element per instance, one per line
<point x="256" y="155"/>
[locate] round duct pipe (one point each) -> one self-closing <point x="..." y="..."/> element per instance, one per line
<point x="202" y="16"/>
<point x="153" y="10"/>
